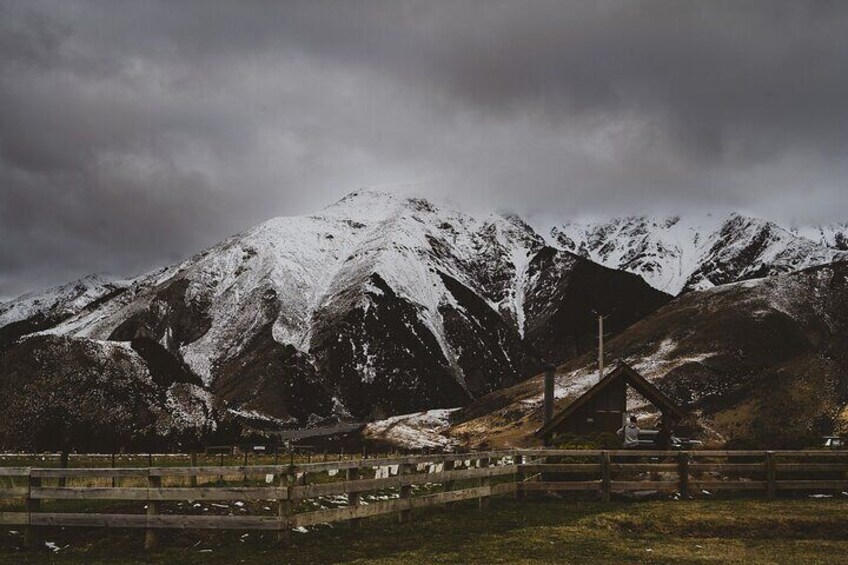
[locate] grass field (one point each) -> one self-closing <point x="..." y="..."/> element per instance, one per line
<point x="536" y="531"/>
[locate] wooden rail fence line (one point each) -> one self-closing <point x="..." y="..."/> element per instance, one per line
<point x="462" y="476"/>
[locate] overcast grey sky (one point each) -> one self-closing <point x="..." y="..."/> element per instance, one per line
<point x="135" y="133"/>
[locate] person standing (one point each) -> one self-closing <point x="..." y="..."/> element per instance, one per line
<point x="630" y="434"/>
<point x="662" y="441"/>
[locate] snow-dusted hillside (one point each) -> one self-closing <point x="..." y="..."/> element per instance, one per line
<point x="380" y="304"/>
<point x="762" y="360"/>
<point x="678" y="254"/>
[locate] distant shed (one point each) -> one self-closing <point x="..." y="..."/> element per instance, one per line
<point x="603" y="407"/>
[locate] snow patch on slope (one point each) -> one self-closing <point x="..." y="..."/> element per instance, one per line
<point x="422" y="429"/>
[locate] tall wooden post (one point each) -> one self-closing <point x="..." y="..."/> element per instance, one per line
<point x="606" y="481"/>
<point x="550" y="373"/>
<point x="31" y="535"/>
<point x="601" y="346"/>
<point x="151" y="539"/>
<point x="405" y="516"/>
<point x="353" y="497"/>
<point x="683" y="473"/>
<point x="771" y="476"/>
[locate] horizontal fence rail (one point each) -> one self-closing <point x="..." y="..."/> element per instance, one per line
<point x="301" y="495"/>
<point x="685" y="472"/>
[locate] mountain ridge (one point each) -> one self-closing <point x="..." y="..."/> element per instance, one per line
<point x="379" y="304"/>
<point x="678" y="254"/>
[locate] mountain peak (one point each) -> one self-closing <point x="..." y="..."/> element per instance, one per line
<point x="60" y="300"/>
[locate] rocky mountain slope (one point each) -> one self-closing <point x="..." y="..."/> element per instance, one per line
<point x="680" y="254"/>
<point x="833" y="235"/>
<point x="763" y="360"/>
<point x="378" y="305"/>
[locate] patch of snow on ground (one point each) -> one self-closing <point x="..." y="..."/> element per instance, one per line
<point x="256" y="415"/>
<point x="422" y="429"/>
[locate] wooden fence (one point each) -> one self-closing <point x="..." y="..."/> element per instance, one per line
<point x="300" y="495"/>
<point x="685" y="472"/>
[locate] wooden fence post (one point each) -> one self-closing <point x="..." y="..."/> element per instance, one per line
<point x="771" y="476"/>
<point x="31" y="534"/>
<point x="521" y="477"/>
<point x="284" y="507"/>
<point x="405" y="516"/>
<point x="151" y="539"/>
<point x="683" y="473"/>
<point x="483" y="501"/>
<point x="606" y="481"/>
<point x="353" y="497"/>
<point x="63" y="464"/>
<point x="192" y="481"/>
<point x="449" y="485"/>
<point x="114" y="478"/>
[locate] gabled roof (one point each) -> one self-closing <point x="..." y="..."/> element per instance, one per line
<point x="634" y="379"/>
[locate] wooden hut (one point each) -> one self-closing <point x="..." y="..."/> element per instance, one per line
<point x="603" y="407"/>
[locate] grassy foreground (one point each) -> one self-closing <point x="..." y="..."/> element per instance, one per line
<point x="537" y="531"/>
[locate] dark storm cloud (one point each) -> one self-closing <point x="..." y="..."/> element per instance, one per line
<point x="135" y="133"/>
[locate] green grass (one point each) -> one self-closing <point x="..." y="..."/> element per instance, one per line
<point x="535" y="531"/>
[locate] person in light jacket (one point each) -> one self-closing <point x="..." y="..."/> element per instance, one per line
<point x="630" y="434"/>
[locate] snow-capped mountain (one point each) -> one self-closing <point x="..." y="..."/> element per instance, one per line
<point x="679" y="254"/>
<point x="380" y="304"/>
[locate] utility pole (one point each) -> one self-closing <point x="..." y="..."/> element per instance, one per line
<point x="601" y="357"/>
<point x="601" y="319"/>
<point x="601" y="345"/>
